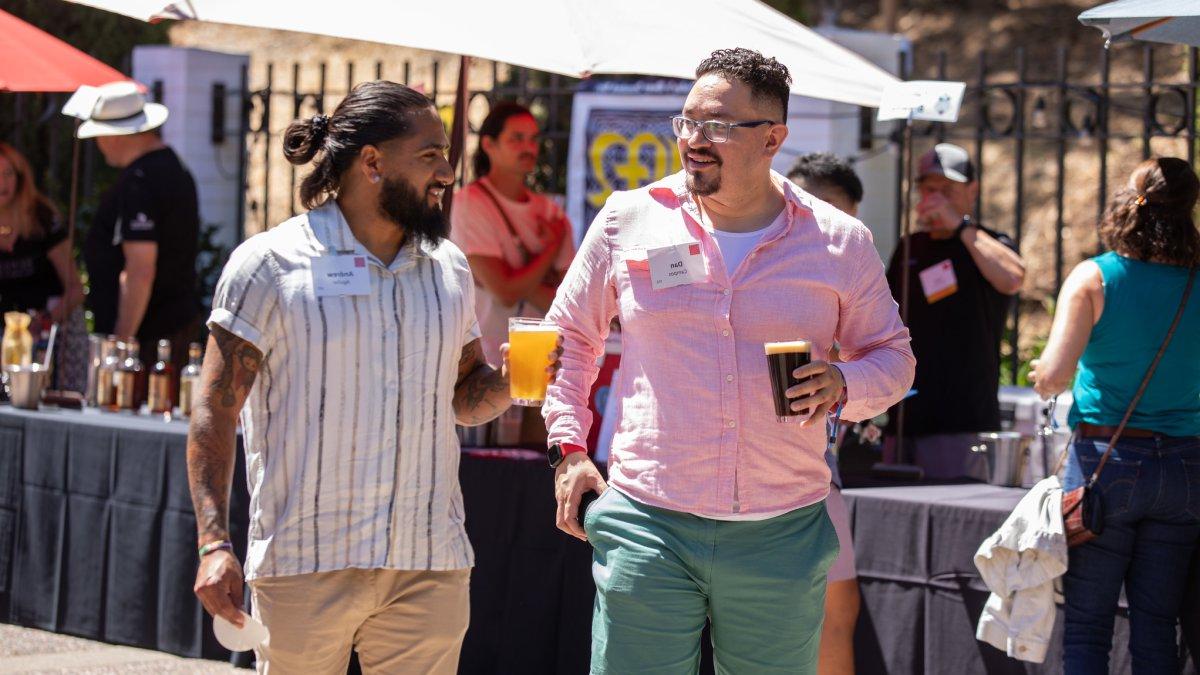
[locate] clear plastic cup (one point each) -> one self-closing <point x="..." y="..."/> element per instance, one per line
<point x="530" y="343"/>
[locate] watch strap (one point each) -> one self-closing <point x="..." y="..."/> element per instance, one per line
<point x="559" y="451"/>
<point x="962" y="225"/>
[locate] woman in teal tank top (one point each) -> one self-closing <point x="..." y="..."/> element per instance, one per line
<point x="1113" y="313"/>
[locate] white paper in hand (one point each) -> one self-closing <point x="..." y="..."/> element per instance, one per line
<point x="250" y="635"/>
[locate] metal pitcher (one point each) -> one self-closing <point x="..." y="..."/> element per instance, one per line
<point x="1006" y="453"/>
<point x="25" y="384"/>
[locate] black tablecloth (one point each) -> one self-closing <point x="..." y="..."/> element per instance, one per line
<point x="97" y="539"/>
<point x="922" y="595"/>
<point x="104" y="537"/>
<point x="531" y="589"/>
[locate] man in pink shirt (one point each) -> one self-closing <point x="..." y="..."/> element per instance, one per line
<point x="717" y="508"/>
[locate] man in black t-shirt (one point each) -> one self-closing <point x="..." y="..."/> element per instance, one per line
<point x="961" y="279"/>
<point x="141" y="246"/>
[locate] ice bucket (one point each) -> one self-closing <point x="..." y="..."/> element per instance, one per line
<point x="25" y="384"/>
<point x="1006" y="453"/>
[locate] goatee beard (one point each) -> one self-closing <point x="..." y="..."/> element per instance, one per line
<point x="400" y="202"/>
<point x="703" y="186"/>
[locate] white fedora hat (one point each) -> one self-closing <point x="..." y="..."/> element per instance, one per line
<point x="114" y="109"/>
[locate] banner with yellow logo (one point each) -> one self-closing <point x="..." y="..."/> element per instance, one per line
<point x="619" y="141"/>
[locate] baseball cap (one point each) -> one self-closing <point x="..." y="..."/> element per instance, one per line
<point x="949" y="160"/>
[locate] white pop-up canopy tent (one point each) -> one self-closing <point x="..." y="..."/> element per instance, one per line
<point x="576" y="38"/>
<point x="570" y="37"/>
<point x="1169" y="21"/>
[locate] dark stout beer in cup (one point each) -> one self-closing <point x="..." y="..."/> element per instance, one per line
<point x="783" y="358"/>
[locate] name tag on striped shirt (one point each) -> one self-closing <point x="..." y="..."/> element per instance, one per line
<point x="340" y="275"/>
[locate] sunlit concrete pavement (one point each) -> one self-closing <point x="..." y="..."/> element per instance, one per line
<point x="25" y="650"/>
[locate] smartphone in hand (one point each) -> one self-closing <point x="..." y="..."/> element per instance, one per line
<point x="584" y="502"/>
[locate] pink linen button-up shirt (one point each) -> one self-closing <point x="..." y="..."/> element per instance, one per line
<point x="696" y="429"/>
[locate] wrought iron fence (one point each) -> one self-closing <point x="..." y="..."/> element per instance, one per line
<point x="1049" y="144"/>
<point x="1049" y="139"/>
<point x="285" y="97"/>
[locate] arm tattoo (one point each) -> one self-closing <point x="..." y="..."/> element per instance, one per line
<point x="476" y="388"/>
<point x="230" y="368"/>
<point x="481" y="392"/>
<point x="471" y="356"/>
<point x="210" y="474"/>
<point x="239" y="366"/>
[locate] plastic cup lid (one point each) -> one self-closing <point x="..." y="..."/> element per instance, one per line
<point x="250" y="635"/>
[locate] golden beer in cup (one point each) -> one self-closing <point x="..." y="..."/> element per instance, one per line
<point x="530" y="343"/>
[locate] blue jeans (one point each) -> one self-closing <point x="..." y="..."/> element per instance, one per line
<point x="1151" y="496"/>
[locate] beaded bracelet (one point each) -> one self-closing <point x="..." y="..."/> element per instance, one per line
<point x="218" y="545"/>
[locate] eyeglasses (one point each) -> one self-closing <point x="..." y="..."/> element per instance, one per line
<point x="713" y="130"/>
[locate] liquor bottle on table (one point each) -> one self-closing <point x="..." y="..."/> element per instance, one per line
<point x="106" y="375"/>
<point x="189" y="380"/>
<point x="130" y="377"/>
<point x="18" y="341"/>
<point x="161" y="377"/>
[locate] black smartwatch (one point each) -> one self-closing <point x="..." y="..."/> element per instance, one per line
<point x="962" y="225"/>
<point x="555" y="455"/>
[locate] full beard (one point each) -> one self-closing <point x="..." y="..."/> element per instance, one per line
<point x="403" y="205"/>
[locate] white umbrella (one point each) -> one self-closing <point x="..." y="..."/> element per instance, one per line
<point x="569" y="37"/>
<point x="1170" y="21"/>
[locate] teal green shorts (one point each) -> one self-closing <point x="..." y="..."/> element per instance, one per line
<point x="659" y="574"/>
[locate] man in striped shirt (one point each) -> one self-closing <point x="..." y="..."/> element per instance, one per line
<point x="349" y="335"/>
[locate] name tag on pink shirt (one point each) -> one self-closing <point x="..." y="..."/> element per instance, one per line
<point x="675" y="265"/>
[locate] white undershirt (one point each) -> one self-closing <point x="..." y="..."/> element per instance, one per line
<point x="735" y="246"/>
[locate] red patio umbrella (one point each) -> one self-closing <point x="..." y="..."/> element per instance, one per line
<point x="32" y="60"/>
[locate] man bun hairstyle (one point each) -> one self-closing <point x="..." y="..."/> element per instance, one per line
<point x="372" y="113"/>
<point x="767" y="78"/>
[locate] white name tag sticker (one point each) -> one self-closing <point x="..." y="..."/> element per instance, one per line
<point x="675" y="265"/>
<point x="340" y="275"/>
<point x="939" y="281"/>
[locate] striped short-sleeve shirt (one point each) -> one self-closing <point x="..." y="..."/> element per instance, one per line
<point x="351" y="453"/>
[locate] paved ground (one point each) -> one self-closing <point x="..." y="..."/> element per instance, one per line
<point x="29" y="651"/>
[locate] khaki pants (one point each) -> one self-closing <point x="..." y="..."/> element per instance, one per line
<point x="398" y="621"/>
